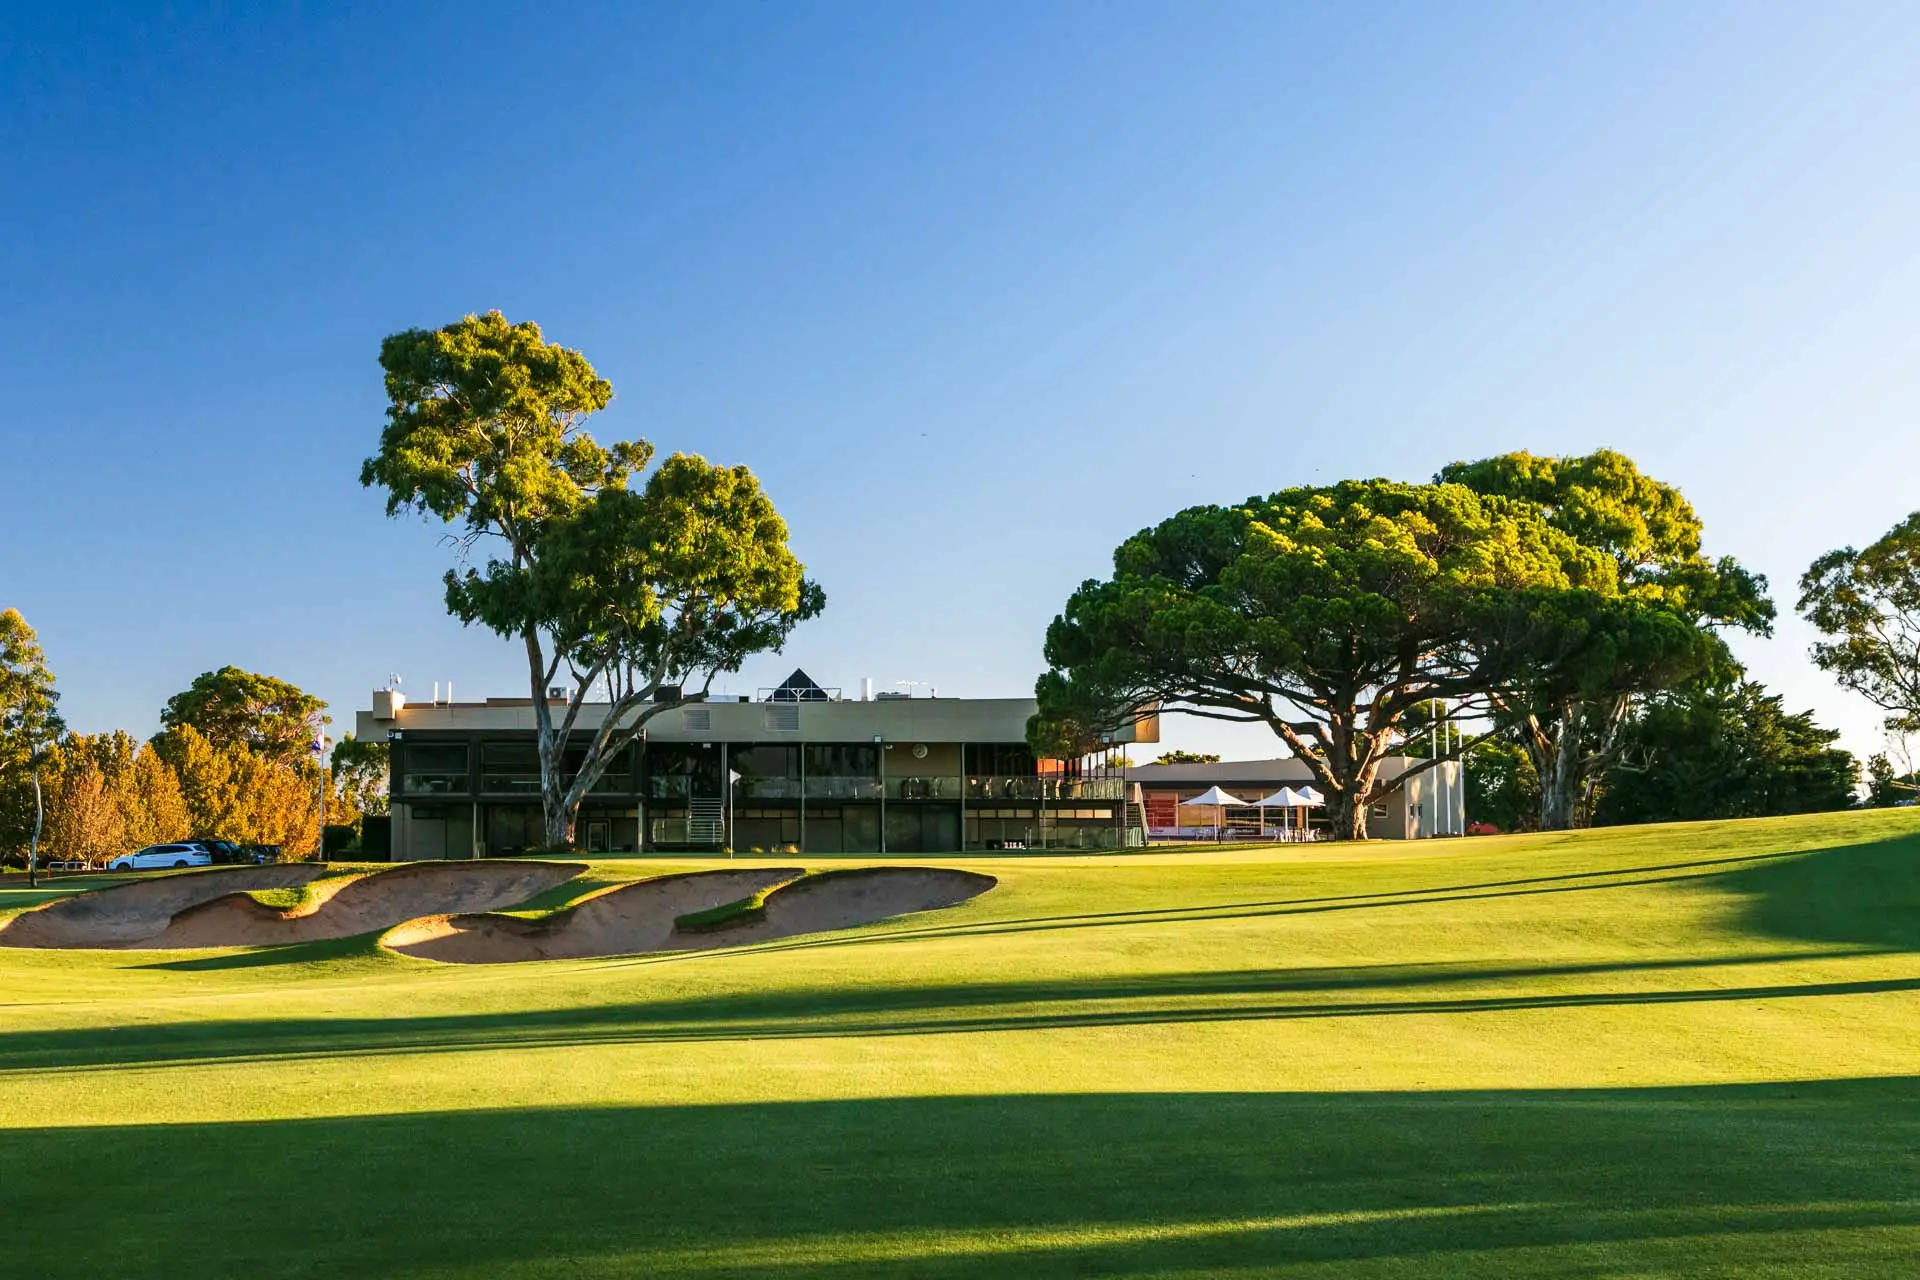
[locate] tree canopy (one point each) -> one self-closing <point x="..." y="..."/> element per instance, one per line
<point x="622" y="590"/>
<point x="1867" y="604"/>
<point x="231" y="707"/>
<point x="360" y="769"/>
<point x="29" y="721"/>
<point x="1325" y="613"/>
<point x="28" y="701"/>
<point x="1578" y="660"/>
<point x="1725" y="752"/>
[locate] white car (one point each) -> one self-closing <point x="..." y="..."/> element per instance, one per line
<point x="162" y="855"/>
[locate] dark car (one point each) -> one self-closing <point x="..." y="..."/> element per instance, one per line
<point x="227" y="853"/>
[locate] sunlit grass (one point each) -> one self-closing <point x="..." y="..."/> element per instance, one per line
<point x="1685" y="1050"/>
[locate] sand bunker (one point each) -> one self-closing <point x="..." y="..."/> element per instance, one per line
<point x="213" y="909"/>
<point x="126" y="914"/>
<point x="619" y="921"/>
<point x="637" y="918"/>
<point x="365" y="904"/>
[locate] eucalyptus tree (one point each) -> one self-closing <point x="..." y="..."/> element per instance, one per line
<point x="623" y="590"/>
<point x="29" y="722"/>
<point x="232" y="707"/>
<point x="1581" y="661"/>
<point x="1327" y="614"/>
<point x="1867" y="605"/>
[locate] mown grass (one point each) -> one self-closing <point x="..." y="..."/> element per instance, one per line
<point x="289" y="899"/>
<point x="1685" y="1050"/>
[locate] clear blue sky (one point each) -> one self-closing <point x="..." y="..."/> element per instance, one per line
<point x="977" y="289"/>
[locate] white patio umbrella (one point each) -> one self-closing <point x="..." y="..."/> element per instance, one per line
<point x="1288" y="798"/>
<point x="1218" y="799"/>
<point x="1310" y="799"/>
<point x="1284" y="798"/>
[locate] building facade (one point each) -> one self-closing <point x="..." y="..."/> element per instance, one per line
<point x="1432" y="803"/>
<point x="798" y="769"/>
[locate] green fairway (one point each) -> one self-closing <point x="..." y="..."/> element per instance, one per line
<point x="1683" y="1050"/>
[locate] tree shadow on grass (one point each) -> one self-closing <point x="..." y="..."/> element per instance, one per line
<point x="1866" y="894"/>
<point x="1729" y="1179"/>
<point x="1127" y="1000"/>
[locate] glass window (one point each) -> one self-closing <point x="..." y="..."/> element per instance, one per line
<point x="433" y="768"/>
<point x="676" y="771"/>
<point x="435" y="757"/>
<point x="844" y="760"/>
<point x="766" y="772"/>
<point x="999" y="759"/>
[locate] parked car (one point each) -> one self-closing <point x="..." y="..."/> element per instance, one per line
<point x="227" y="853"/>
<point x="162" y="855"/>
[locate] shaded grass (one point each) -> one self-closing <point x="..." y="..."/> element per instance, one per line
<point x="1752" y="1181"/>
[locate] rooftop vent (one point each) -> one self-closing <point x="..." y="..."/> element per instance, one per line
<point x="799" y="687"/>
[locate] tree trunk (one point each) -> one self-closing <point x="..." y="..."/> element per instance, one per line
<point x="553" y="800"/>
<point x="557" y="819"/>
<point x="1560" y="772"/>
<point x="1347" y="816"/>
<point x="1348" y="774"/>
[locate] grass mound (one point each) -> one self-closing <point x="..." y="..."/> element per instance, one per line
<point x="740" y="911"/>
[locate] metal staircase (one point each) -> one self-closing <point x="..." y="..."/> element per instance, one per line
<point x="706" y="821"/>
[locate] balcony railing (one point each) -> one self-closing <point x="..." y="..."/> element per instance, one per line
<point x="528" y="784"/>
<point x="434" y="784"/>
<point x="767" y="789"/>
<point x="842" y="787"/>
<point x="1033" y="788"/>
<point x="937" y="788"/>
<point x="910" y="787"/>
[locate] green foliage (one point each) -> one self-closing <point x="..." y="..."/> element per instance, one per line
<point x="1887" y="786"/>
<point x="231" y="707"/>
<point x="1578" y="660"/>
<point x="1729" y="752"/>
<point x="360" y="777"/>
<point x="1502" y="787"/>
<point x="1868" y="605"/>
<point x="29" y="722"/>
<point x="484" y="426"/>
<point x="1188" y="757"/>
<point x="1324" y="613"/>
<point x="623" y="590"/>
<point x="678" y="582"/>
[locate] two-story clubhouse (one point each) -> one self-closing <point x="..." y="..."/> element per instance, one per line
<point x="798" y="768"/>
